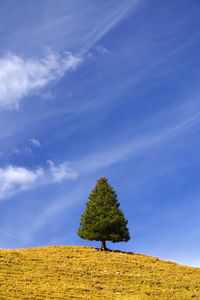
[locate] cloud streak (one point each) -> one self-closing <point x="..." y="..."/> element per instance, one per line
<point x="20" y="77"/>
<point x="109" y="22"/>
<point x="137" y="145"/>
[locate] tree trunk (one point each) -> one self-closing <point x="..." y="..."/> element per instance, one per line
<point x="103" y="245"/>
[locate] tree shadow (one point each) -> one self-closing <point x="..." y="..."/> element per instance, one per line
<point x="116" y="251"/>
<point x="119" y="251"/>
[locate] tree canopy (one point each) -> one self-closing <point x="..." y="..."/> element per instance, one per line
<point x="103" y="220"/>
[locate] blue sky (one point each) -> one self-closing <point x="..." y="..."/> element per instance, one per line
<point x="101" y="88"/>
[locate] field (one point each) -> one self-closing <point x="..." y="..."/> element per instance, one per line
<point x="67" y="272"/>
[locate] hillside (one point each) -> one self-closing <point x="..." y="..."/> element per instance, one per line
<point x="87" y="273"/>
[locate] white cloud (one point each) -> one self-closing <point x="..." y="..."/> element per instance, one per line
<point x="35" y="142"/>
<point x="20" y="77"/>
<point x="14" y="179"/>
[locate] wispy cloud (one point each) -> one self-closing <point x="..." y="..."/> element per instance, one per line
<point x="20" y="77"/>
<point x="35" y="142"/>
<point x="102" y="50"/>
<point x="61" y="172"/>
<point x="14" y="179"/>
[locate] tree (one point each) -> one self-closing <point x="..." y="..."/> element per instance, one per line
<point x="103" y="220"/>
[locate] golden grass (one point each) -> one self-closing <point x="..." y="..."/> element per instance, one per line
<point x="88" y="273"/>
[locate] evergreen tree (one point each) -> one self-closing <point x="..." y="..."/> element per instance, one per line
<point x="103" y="220"/>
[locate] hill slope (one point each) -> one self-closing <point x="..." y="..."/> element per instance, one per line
<point x="87" y="273"/>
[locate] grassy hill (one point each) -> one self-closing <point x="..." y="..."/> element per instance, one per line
<point x="87" y="273"/>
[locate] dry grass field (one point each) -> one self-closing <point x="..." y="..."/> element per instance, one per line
<point x="88" y="273"/>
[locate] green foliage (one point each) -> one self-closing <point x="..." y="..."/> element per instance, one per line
<point x="103" y="220"/>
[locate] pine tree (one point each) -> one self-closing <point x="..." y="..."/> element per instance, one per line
<point x="103" y="220"/>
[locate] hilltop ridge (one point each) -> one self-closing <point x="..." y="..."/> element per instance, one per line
<point x="73" y="272"/>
